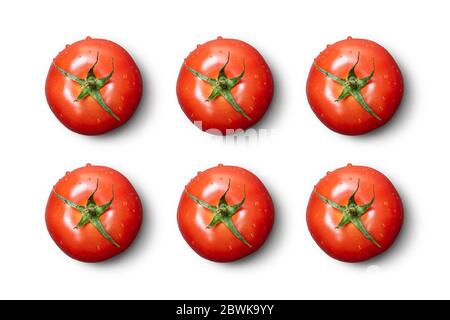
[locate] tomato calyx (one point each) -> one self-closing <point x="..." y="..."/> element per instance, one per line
<point x="352" y="213"/>
<point x="352" y="86"/>
<point x="91" y="85"/>
<point x="223" y="213"/>
<point x="91" y="213"/>
<point x="222" y="86"/>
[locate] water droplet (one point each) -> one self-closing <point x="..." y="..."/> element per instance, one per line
<point x="67" y="172"/>
<point x="125" y="76"/>
<point x="198" y="46"/>
<point x="256" y="203"/>
<point x="120" y="108"/>
<point x="88" y="38"/>
<point x="349" y="165"/>
<point x="385" y="76"/>
<point x="125" y="203"/>
<point x="88" y="165"/>
<point x="386" y="203"/>
<point x="219" y="38"/>
<point x="328" y="45"/>
<point x="256" y="76"/>
<point x="67" y="46"/>
<point x="98" y="120"/>
<point x="229" y="120"/>
<point x="328" y="172"/>
<point x="349" y="38"/>
<point x="220" y="165"/>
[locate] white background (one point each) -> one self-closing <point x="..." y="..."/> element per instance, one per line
<point x="159" y="150"/>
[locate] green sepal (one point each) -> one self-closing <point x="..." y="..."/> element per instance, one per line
<point x="90" y="86"/>
<point x="230" y="225"/>
<point x="91" y="212"/>
<point x="352" y="86"/>
<point x="98" y="225"/>
<point x="223" y="212"/>
<point x="352" y="212"/>
<point x="222" y="86"/>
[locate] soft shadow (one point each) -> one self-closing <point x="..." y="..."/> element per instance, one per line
<point x="271" y="117"/>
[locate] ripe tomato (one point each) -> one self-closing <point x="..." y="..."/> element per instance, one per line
<point x="354" y="86"/>
<point x="224" y="84"/>
<point x="93" y="86"/>
<point x="354" y="213"/>
<point x="225" y="213"/>
<point x="93" y="213"/>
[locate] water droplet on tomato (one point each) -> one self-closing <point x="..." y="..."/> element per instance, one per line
<point x="328" y="172"/>
<point x="67" y="172"/>
<point x="256" y="203"/>
<point x="328" y="45"/>
<point x="88" y="38"/>
<point x="67" y="46"/>
<point x="199" y="172"/>
<point x="256" y="76"/>
<point x="220" y="165"/>
<point x="125" y="76"/>
<point x="349" y="38"/>
<point x="88" y="165"/>
<point x="125" y="203"/>
<point x="98" y="120"/>
<point x="349" y="165"/>
<point x="219" y="38"/>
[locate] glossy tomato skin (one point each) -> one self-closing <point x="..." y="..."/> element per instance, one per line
<point x="122" y="220"/>
<point x="383" y="220"/>
<point x="122" y="93"/>
<point x="253" y="93"/>
<point x="383" y="93"/>
<point x="254" y="220"/>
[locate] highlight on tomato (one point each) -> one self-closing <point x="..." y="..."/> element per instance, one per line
<point x="354" y="213"/>
<point x="93" y="213"/>
<point x="225" y="213"/>
<point x="224" y="85"/>
<point x="354" y="86"/>
<point x="93" y="86"/>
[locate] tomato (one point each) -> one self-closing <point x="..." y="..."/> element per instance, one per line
<point x="354" y="86"/>
<point x="225" y="213"/>
<point x="354" y="213"/>
<point x="93" y="213"/>
<point x="224" y="84"/>
<point x="93" y="86"/>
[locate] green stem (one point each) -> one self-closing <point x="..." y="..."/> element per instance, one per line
<point x="222" y="85"/>
<point x="91" y="213"/>
<point x="91" y="86"/>
<point x="352" y="86"/>
<point x="223" y="213"/>
<point x="352" y="213"/>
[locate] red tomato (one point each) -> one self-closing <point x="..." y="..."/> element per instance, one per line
<point x="354" y="86"/>
<point x="225" y="213"/>
<point x="224" y="84"/>
<point x="359" y="227"/>
<point x="93" y="86"/>
<point x="93" y="213"/>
